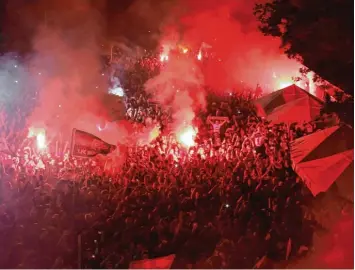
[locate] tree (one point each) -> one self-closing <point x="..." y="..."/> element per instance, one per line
<point x="318" y="33"/>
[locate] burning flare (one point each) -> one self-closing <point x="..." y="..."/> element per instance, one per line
<point x="187" y="136"/>
<point x="164" y="57"/>
<point x="40" y="135"/>
<point x="199" y="55"/>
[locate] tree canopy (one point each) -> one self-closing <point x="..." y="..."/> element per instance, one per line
<point x="318" y="33"/>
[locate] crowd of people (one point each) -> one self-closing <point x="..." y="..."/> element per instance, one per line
<point x="64" y="212"/>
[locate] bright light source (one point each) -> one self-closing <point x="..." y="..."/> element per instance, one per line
<point x="40" y="135"/>
<point x="199" y="56"/>
<point x="187" y="136"/>
<point x="164" y="57"/>
<point x="284" y="84"/>
<point x="101" y="126"/>
<point x="118" y="91"/>
<point x="154" y="133"/>
<point x="41" y="141"/>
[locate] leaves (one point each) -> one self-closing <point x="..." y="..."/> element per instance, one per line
<point x="310" y="32"/>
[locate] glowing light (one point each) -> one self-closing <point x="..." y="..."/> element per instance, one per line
<point x="199" y="55"/>
<point x="118" y="91"/>
<point x="187" y="136"/>
<point x="164" y="57"/>
<point x="101" y="126"/>
<point x="41" y="141"/>
<point x="154" y="133"/>
<point x="284" y="84"/>
<point x="185" y="50"/>
<point x="282" y="81"/>
<point x="312" y="86"/>
<point x="40" y="135"/>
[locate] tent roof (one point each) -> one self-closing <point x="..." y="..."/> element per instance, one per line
<point x="324" y="158"/>
<point x="320" y="174"/>
<point x="323" y="143"/>
<point x="343" y="183"/>
<point x="301" y="147"/>
<point x="299" y="110"/>
<point x="265" y="100"/>
<point x="271" y="101"/>
<point x="339" y="141"/>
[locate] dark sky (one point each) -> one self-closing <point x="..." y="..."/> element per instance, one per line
<point x="19" y="20"/>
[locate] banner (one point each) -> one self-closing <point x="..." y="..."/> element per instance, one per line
<point x="85" y="144"/>
<point x="157" y="263"/>
<point x="217" y="122"/>
<point x="218" y="118"/>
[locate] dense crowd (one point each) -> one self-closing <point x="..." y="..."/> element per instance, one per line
<point x="231" y="201"/>
<point x="165" y="199"/>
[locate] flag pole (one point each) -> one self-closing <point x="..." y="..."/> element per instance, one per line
<point x="72" y="142"/>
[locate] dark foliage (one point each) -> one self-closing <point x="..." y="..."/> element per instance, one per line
<point x="318" y="33"/>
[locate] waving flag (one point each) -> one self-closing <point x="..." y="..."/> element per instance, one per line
<point x="85" y="144"/>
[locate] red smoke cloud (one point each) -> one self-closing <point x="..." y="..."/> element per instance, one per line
<point x="70" y="86"/>
<point x="232" y="53"/>
<point x="179" y="85"/>
<point x="238" y="51"/>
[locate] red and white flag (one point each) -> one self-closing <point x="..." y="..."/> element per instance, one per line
<point x="85" y="144"/>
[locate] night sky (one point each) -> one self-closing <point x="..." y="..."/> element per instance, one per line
<point x="19" y="20"/>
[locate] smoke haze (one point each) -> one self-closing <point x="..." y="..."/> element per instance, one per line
<point x="233" y="53"/>
<point x="65" y="64"/>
